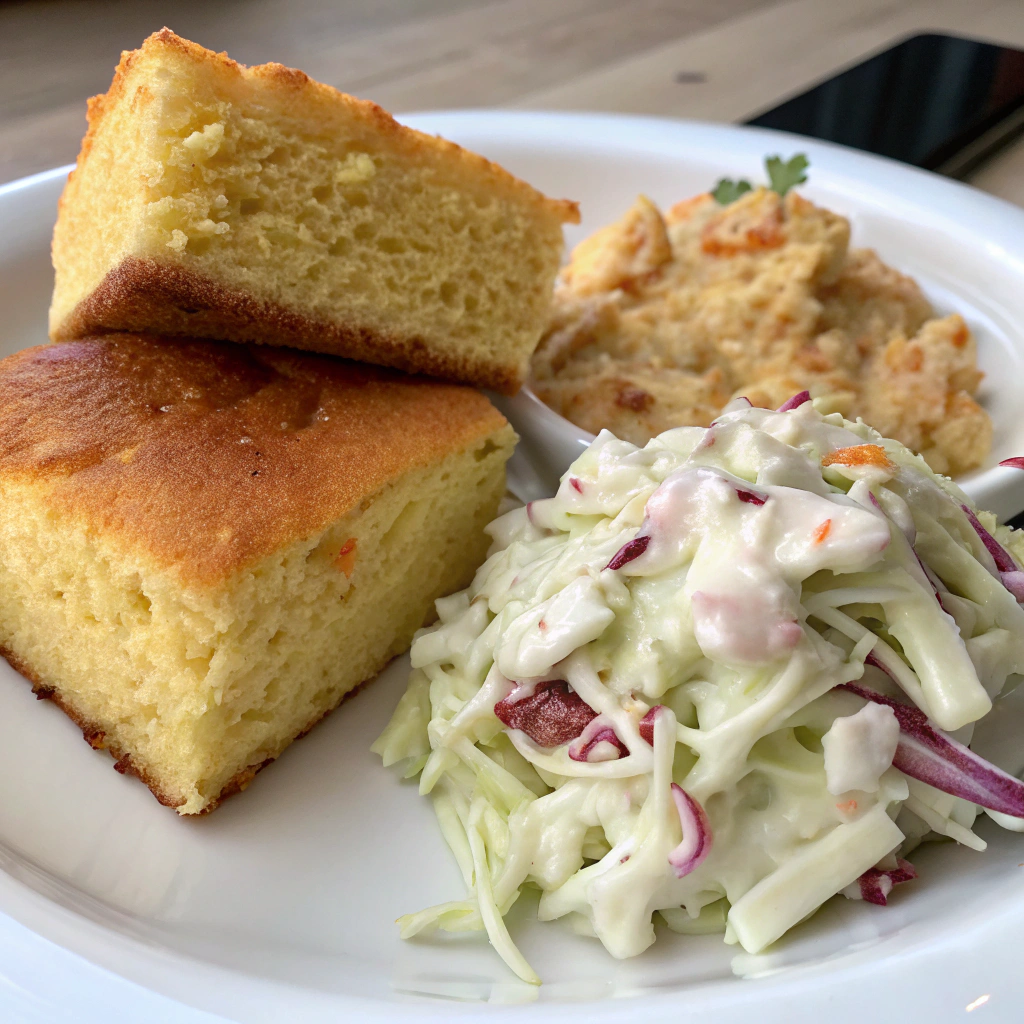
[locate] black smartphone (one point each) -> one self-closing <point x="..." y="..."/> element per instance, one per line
<point x="940" y="102"/>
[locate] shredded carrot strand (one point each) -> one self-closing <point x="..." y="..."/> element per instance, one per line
<point x="822" y="531"/>
<point x="346" y="560"/>
<point x="860" y="455"/>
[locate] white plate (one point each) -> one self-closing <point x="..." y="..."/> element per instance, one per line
<point x="279" y="907"/>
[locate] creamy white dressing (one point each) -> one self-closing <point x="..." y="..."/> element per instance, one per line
<point x="859" y="748"/>
<point x="541" y="637"/>
<point x="747" y="584"/>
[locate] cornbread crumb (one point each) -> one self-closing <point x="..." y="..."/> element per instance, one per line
<point x="210" y="545"/>
<point x="253" y="204"/>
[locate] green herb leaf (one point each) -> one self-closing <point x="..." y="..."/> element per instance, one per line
<point x="783" y="175"/>
<point x="728" y="191"/>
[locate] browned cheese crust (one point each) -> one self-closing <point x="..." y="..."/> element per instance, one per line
<point x="659" y="321"/>
<point x="207" y="457"/>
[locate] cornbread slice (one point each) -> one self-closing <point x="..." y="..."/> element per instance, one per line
<point x="204" y="547"/>
<point x="253" y="204"/>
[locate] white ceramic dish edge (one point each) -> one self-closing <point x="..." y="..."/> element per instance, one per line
<point x="903" y="977"/>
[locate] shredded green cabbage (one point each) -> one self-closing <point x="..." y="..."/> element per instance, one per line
<point x="767" y="582"/>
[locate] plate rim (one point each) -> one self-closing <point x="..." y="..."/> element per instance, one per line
<point x="740" y="998"/>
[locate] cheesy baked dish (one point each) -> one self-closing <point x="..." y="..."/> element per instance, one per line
<point x="661" y="319"/>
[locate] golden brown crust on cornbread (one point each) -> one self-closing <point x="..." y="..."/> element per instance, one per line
<point x="174" y="302"/>
<point x="91" y="733"/>
<point x="205" y="547"/>
<point x="155" y="234"/>
<point x="123" y="763"/>
<point x="209" y="456"/>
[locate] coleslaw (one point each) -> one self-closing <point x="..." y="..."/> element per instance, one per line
<point x="720" y="679"/>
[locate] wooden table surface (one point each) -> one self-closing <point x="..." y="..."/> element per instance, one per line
<point x="719" y="60"/>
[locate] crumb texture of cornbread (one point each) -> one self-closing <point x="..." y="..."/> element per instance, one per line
<point x="214" y="200"/>
<point x="204" y="547"/>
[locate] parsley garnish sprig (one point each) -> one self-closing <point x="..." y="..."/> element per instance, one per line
<point x="782" y="176"/>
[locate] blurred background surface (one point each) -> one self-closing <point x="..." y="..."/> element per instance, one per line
<point x="720" y="60"/>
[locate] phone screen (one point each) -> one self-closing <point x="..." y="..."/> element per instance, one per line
<point x="939" y="102"/>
